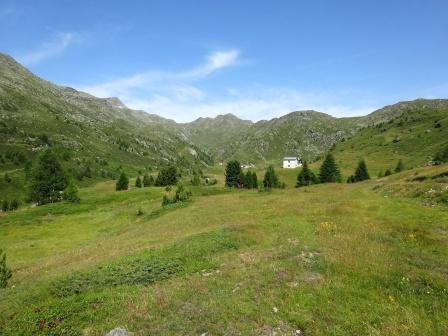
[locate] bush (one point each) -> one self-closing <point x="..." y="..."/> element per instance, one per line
<point x="399" y="167"/>
<point x="14" y="205"/>
<point x="441" y="156"/>
<point x="5" y="272"/>
<point x="122" y="183"/>
<point x="388" y="172"/>
<point x="71" y="193"/>
<point x="182" y="194"/>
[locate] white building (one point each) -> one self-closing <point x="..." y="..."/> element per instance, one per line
<point x="291" y="162"/>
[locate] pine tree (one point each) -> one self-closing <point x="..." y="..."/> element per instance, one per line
<point x="400" y="166"/>
<point x="5" y="205"/>
<point x="241" y="180"/>
<point x="233" y="170"/>
<point x="123" y="182"/>
<point x="167" y="176"/>
<point x="306" y="177"/>
<point x="71" y="193"/>
<point x="5" y="272"/>
<point x="270" y="178"/>
<point x="249" y="180"/>
<point x="254" y="180"/>
<point x="49" y="180"/>
<point x="329" y="171"/>
<point x="146" y="180"/>
<point x="361" y="172"/>
<point x="138" y="182"/>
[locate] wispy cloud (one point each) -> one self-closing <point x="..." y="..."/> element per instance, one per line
<point x="49" y="49"/>
<point x="176" y="95"/>
<point x="124" y="86"/>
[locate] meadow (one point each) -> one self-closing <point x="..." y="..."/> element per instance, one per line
<point x="369" y="258"/>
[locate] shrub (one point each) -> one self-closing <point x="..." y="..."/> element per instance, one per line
<point x="400" y="166"/>
<point x="441" y="156"/>
<point x="195" y="180"/>
<point x="14" y="205"/>
<point x="388" y="172"/>
<point x="182" y="194"/>
<point x="122" y="183"/>
<point x="140" y="212"/>
<point x="71" y="193"/>
<point x="5" y="272"/>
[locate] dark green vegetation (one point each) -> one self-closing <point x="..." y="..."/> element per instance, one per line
<point x="306" y="177"/>
<point x="270" y="179"/>
<point x="122" y="183"/>
<point x="167" y="176"/>
<point x="5" y="272"/>
<point x="361" y="173"/>
<point x="329" y="171"/>
<point x="339" y="259"/>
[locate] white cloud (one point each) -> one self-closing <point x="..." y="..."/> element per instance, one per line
<point x="145" y="80"/>
<point x="172" y="95"/>
<point x="50" y="49"/>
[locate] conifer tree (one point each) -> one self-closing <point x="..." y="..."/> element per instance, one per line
<point x="249" y="180"/>
<point x="306" y="176"/>
<point x="5" y="272"/>
<point x="138" y="182"/>
<point x="361" y="172"/>
<point x="270" y="178"/>
<point x="241" y="180"/>
<point x="49" y="180"/>
<point x="329" y="171"/>
<point x="123" y="182"/>
<point x="400" y="166"/>
<point x="146" y="180"/>
<point x="167" y="176"/>
<point x="254" y="180"/>
<point x="233" y="170"/>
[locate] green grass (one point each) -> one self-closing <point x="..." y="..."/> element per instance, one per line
<point x="328" y="259"/>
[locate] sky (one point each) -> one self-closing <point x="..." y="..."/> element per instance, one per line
<point x="256" y="59"/>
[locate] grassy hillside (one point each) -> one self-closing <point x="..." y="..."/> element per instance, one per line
<point x="414" y="136"/>
<point x="328" y="259"/>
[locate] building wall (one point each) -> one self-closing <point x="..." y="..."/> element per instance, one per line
<point x="291" y="164"/>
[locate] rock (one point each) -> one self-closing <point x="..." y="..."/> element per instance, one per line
<point x="119" y="332"/>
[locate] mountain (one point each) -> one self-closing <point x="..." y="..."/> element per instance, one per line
<point x="306" y="134"/>
<point x="412" y="131"/>
<point x="35" y="114"/>
<point x="214" y="134"/>
<point x="105" y="135"/>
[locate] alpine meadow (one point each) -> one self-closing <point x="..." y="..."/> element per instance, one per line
<point x="293" y="182"/>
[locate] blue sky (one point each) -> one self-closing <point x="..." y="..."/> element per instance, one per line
<point x="256" y="59"/>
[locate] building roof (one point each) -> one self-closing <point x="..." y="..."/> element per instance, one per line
<point x="290" y="158"/>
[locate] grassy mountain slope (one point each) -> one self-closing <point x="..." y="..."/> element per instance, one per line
<point x="414" y="133"/>
<point x="306" y="134"/>
<point x="337" y="259"/>
<point x="35" y="114"/>
<point x="214" y="134"/>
